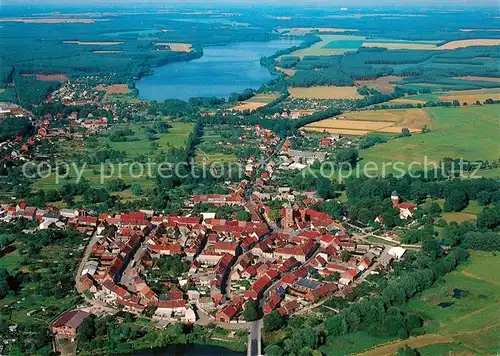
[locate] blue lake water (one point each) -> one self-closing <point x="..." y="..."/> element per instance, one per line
<point x="221" y="71"/>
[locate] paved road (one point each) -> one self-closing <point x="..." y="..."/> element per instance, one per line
<point x="88" y="250"/>
<point x="254" y="339"/>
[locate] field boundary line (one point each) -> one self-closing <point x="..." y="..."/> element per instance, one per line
<point x="472" y="275"/>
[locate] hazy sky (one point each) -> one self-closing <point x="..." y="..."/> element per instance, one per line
<point x="330" y="3"/>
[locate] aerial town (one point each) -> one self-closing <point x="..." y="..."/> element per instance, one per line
<point x="303" y="179"/>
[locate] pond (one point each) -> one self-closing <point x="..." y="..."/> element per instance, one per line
<point x="221" y="71"/>
<point x="445" y="305"/>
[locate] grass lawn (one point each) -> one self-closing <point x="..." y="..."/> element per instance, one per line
<point x="472" y="320"/>
<point x="376" y="240"/>
<point x="175" y="137"/>
<point x="11" y="261"/>
<point x="352" y="343"/>
<point x="93" y="175"/>
<point x="458" y="216"/>
<point x="330" y="45"/>
<point x="454" y="133"/>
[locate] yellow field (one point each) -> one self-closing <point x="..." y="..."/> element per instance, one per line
<point x="407" y="101"/>
<point x="177" y="47"/>
<point x="364" y="122"/>
<point x="96" y="43"/>
<point x="481" y="79"/>
<point x="299" y="31"/>
<point x="287" y="71"/>
<point x="459" y="216"/>
<point x="469" y="43"/>
<point x="471" y="96"/>
<point x="107" y="52"/>
<point x="351" y="124"/>
<point x="413" y="118"/>
<point x="255" y="102"/>
<point x="325" y="93"/>
<point x="48" y="20"/>
<point x="61" y="77"/>
<point x="383" y="84"/>
<point x="114" y="88"/>
<point x="422" y="46"/>
<point x="337" y="131"/>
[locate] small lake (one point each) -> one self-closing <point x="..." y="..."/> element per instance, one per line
<point x="221" y="71"/>
<point x="188" y="350"/>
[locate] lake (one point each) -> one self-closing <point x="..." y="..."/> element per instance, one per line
<point x="221" y="71"/>
<point x="188" y="350"/>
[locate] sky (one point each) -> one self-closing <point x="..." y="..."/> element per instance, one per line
<point x="330" y="3"/>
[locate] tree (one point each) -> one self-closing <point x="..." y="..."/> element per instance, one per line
<point x="273" y="321"/>
<point x="405" y="132"/>
<point x="407" y="351"/>
<point x="345" y="256"/>
<point x="346" y="156"/>
<point x="87" y="331"/>
<point x="274" y="350"/>
<point x="457" y="200"/>
<point x="434" y="209"/>
<point x="244" y="216"/>
<point x="136" y="189"/>
<point x="334" y="209"/>
<point x="252" y="310"/>
<point x="324" y="188"/>
<point x="489" y="218"/>
<point x="4" y="283"/>
<point x="483" y="197"/>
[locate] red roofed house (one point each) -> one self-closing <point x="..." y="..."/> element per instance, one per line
<point x="227" y="313"/>
<point x="68" y="323"/>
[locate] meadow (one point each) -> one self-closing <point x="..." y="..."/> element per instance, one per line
<point x="325" y="92"/>
<point x="467" y="132"/>
<point x="364" y="122"/>
<point x="473" y="320"/>
<point x="210" y="150"/>
<point x="175" y="137"/>
<point x="331" y="45"/>
<point x="470" y="326"/>
<point x="255" y="102"/>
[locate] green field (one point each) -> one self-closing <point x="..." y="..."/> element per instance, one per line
<point x="176" y="137"/>
<point x="210" y="151"/>
<point x="347" y="44"/>
<point x="473" y="320"/>
<point x="470" y="133"/>
<point x="331" y="45"/>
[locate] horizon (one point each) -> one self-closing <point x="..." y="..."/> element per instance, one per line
<point x="225" y="3"/>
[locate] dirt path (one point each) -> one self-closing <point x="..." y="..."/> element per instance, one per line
<point x="470" y="314"/>
<point x="477" y="330"/>
<point x="472" y="275"/>
<point x="414" y="342"/>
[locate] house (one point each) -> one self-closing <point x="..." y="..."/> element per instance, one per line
<point x="189" y="316"/>
<point x="227" y="312"/>
<point x="169" y="308"/>
<point x="29" y="213"/>
<point x="348" y="276"/>
<point x="396" y="252"/>
<point x="68" y="323"/>
<point x="406" y="209"/>
<point x="289" y="307"/>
